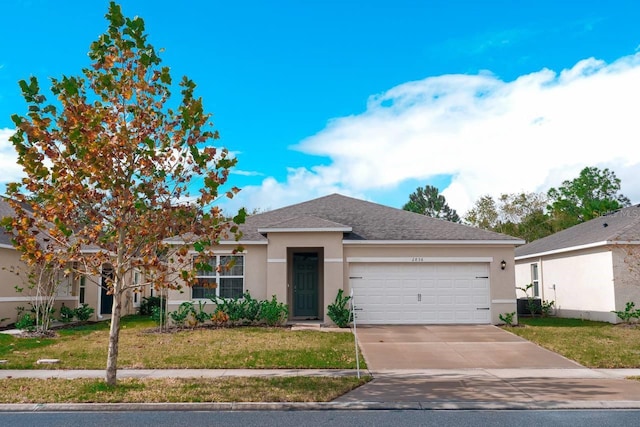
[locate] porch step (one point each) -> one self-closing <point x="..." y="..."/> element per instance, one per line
<point x="305" y="326"/>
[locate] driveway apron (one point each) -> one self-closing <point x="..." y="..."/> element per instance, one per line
<point x="452" y="347"/>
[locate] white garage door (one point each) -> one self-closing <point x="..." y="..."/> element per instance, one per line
<point x="421" y="293"/>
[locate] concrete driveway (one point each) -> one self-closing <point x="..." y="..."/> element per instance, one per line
<point x="452" y="347"/>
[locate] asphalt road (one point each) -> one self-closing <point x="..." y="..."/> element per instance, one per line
<point x="520" y="418"/>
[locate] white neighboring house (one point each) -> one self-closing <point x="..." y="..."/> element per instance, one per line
<point x="589" y="269"/>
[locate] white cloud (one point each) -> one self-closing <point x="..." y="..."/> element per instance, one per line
<point x="245" y="173"/>
<point x="492" y="136"/>
<point x="11" y="171"/>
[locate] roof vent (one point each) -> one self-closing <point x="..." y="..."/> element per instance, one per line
<point x="605" y="225"/>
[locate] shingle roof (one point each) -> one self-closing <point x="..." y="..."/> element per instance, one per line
<point x="308" y="222"/>
<point x="5" y="210"/>
<point x="621" y="225"/>
<point x="369" y="221"/>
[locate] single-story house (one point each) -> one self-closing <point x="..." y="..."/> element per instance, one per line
<point x="402" y="267"/>
<point x="72" y="291"/>
<point x="589" y="269"/>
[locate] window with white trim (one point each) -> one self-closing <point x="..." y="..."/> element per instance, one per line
<point x="225" y="279"/>
<point x="535" y="280"/>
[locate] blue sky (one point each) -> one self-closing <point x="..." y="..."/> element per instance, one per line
<point x="374" y="98"/>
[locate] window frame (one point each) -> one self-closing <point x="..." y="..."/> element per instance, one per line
<point x="535" y="279"/>
<point x="218" y="275"/>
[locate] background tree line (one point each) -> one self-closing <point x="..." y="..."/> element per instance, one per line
<point x="531" y="216"/>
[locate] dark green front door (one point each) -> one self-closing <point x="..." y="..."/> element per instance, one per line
<point x="305" y="285"/>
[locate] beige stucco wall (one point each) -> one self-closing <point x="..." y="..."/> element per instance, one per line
<point x="580" y="282"/>
<point x="502" y="281"/>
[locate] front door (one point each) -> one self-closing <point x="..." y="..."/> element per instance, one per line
<point x="106" y="299"/>
<point x="305" y="285"/>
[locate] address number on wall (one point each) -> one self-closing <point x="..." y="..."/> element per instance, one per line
<point x="417" y="259"/>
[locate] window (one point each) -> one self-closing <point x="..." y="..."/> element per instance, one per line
<point x="535" y="281"/>
<point x="225" y="280"/>
<point x="137" y="289"/>
<point x="82" y="287"/>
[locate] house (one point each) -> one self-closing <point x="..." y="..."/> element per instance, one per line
<point x="72" y="291"/>
<point x="589" y="269"/>
<point x="402" y="267"/>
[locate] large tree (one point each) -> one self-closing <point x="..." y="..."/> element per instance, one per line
<point x="109" y="168"/>
<point x="428" y="201"/>
<point x="594" y="192"/>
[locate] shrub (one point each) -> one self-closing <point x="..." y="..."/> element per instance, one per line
<point x="83" y="313"/>
<point x="219" y="318"/>
<point x="507" y="318"/>
<point x="546" y="308"/>
<point x="26" y="322"/>
<point x="629" y="313"/>
<point x="147" y="304"/>
<point x="339" y="311"/>
<point x="200" y="315"/>
<point x="273" y="313"/>
<point x="158" y="315"/>
<point x="66" y="314"/>
<point x="179" y="317"/>
<point x="251" y="311"/>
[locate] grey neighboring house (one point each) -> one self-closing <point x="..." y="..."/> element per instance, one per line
<point x="589" y="269"/>
<point x="402" y="267"/>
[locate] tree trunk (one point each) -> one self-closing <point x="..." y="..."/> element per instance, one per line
<point x="114" y="336"/>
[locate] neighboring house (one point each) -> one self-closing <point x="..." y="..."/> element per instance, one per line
<point x="403" y="268"/>
<point x="589" y="269"/>
<point x="72" y="291"/>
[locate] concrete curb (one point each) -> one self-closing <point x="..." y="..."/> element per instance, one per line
<point x="316" y="406"/>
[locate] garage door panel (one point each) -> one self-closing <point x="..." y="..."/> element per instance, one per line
<point x="428" y="293"/>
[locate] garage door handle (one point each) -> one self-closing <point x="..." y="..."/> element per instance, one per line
<point x="482" y="277"/>
<point x="483" y="308"/>
<point x="419" y="297"/>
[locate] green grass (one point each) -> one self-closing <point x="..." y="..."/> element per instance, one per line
<point x="229" y="389"/>
<point x="592" y="344"/>
<point x="85" y="347"/>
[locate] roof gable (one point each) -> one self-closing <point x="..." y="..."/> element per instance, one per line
<point x="619" y="226"/>
<point x="368" y="221"/>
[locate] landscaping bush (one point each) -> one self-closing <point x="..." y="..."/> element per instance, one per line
<point x="250" y="311"/>
<point x="273" y="313"/>
<point x="147" y="304"/>
<point x="83" y="313"/>
<point x="339" y="311"/>
<point x="66" y="314"/>
<point x="629" y="313"/>
<point x="179" y="317"/>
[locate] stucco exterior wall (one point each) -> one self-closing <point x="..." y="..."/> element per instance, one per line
<point x="626" y="274"/>
<point x="502" y="281"/>
<point x="580" y="282"/>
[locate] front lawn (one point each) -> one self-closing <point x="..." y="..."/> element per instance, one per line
<point x="592" y="344"/>
<point x="85" y="347"/>
<point x="129" y="390"/>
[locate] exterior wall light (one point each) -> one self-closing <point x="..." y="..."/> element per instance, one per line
<point x="503" y="264"/>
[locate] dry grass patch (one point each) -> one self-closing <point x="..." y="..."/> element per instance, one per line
<point x="237" y="389"/>
<point x="592" y="344"/>
<point x="140" y="347"/>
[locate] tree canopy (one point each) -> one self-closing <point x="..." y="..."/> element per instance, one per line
<point x="594" y="192"/>
<point x="428" y="201"/>
<point x="532" y="216"/>
<point x="110" y="166"/>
